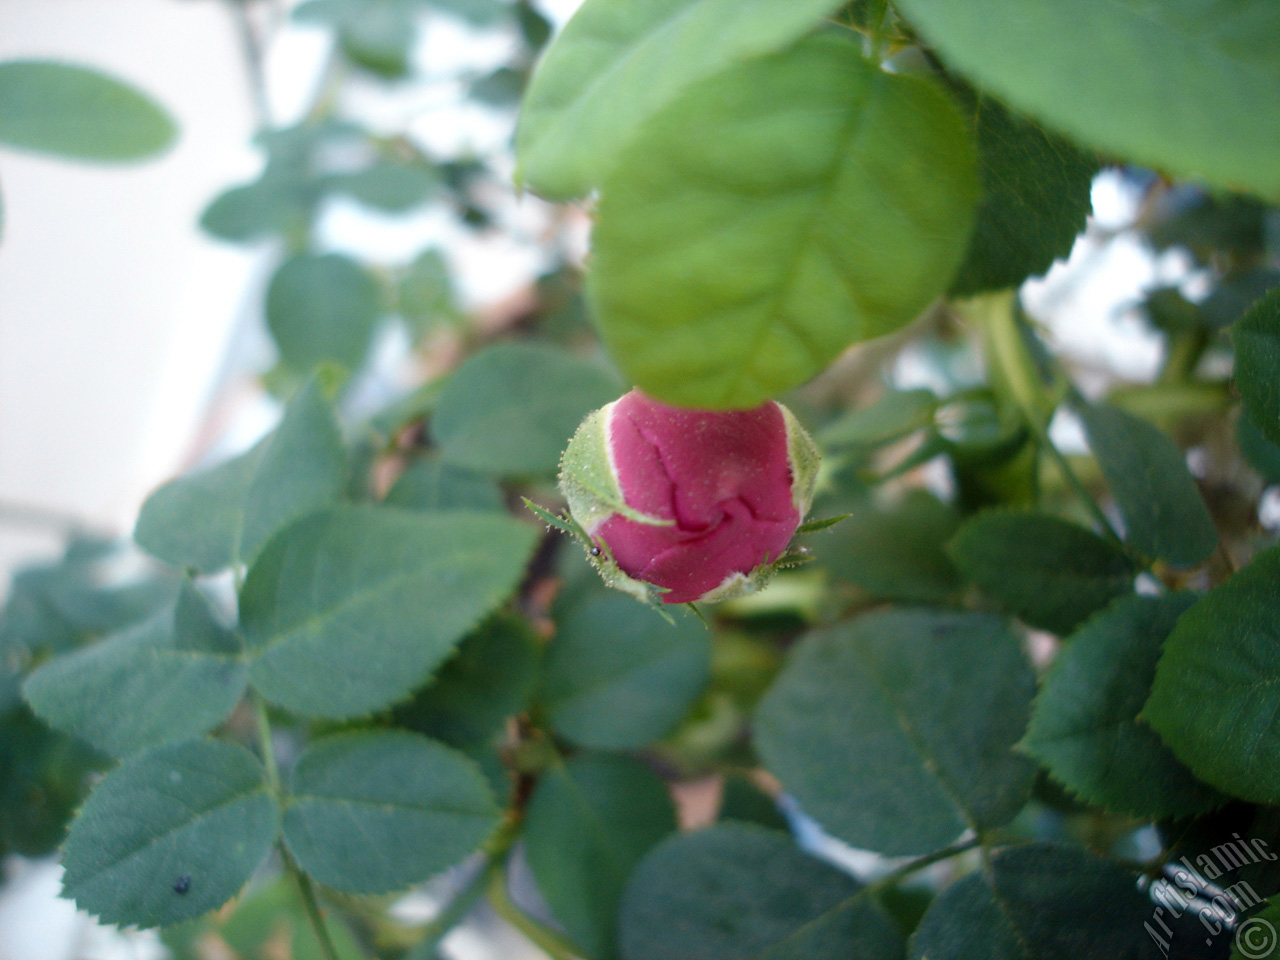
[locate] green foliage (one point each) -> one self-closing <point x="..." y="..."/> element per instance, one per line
<point x="348" y="610"/>
<point x="739" y="891"/>
<point x="1106" y="72"/>
<point x="170" y="834"/>
<point x="618" y="676"/>
<point x="225" y="515"/>
<point x="1217" y="688"/>
<point x="590" y="822"/>
<point x="1035" y="197"/>
<point x="1051" y="573"/>
<point x="1085" y="728"/>
<point x="895" y="731"/>
<point x="371" y="811"/>
<point x="322" y="308"/>
<point x="618" y="63"/>
<point x="894" y="415"/>
<point x="1040" y="901"/>
<point x="512" y="408"/>
<point x="79" y="113"/>
<point x="1257" y="342"/>
<point x="172" y="677"/>
<point x="1163" y="512"/>
<point x="820" y="202"/>
<point x="431" y="484"/>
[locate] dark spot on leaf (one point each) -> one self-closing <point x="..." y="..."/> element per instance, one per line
<point x="182" y="884"/>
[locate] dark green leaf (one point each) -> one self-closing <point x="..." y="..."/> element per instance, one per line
<point x="739" y="892"/>
<point x="195" y="815"/>
<point x="322" y="308"/>
<point x="1035" y="197"/>
<point x="78" y="113"/>
<point x="617" y="676"/>
<point x="1051" y="573"/>
<point x="895" y="551"/>
<point x="1262" y="454"/>
<point x="1164" y="514"/>
<point x="1085" y="729"/>
<point x="174" y="677"/>
<point x="390" y="186"/>
<point x="1214" y="59"/>
<point x="278" y="203"/>
<point x="895" y="731"/>
<point x="1217" y="688"/>
<point x="430" y="484"/>
<point x="773" y="214"/>
<point x="894" y="415"/>
<point x="511" y="409"/>
<point x="1039" y="902"/>
<point x="225" y="515"/>
<point x="590" y="821"/>
<point x="1255" y="937"/>
<point x="347" y="611"/>
<point x="372" y="811"/>
<point x="616" y="63"/>
<point x="1257" y="341"/>
<point x="489" y="679"/>
<point x="744" y="801"/>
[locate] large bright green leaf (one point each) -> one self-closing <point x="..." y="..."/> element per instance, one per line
<point x="373" y="811"/>
<point x="170" y="834"/>
<point x="78" y="113"/>
<point x="739" y="892"/>
<point x="348" y="610"/>
<point x="895" y="731"/>
<point x="511" y="409"/>
<point x="1217" y="688"/>
<point x="322" y="308"/>
<point x="772" y="215"/>
<point x="1085" y="727"/>
<point x="210" y="520"/>
<point x="1051" y="573"/>
<point x="617" y="62"/>
<point x="1035" y="197"/>
<point x="173" y="677"/>
<point x="1164" y="514"/>
<point x="1037" y="902"/>
<point x="1188" y="86"/>
<point x="1256" y="336"/>
<point x="617" y="676"/>
<point x="589" y="823"/>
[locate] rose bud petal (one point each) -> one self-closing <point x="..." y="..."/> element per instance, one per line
<point x="700" y="504"/>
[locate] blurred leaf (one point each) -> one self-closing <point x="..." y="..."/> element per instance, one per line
<point x="170" y="834"/>
<point x="274" y="204"/>
<point x="733" y="255"/>
<point x="740" y="892"/>
<point x="1164" y="514"/>
<point x="1085" y="728"/>
<point x="489" y="679"/>
<point x="425" y="294"/>
<point x="745" y="802"/>
<point x="1051" y="573"/>
<point x="347" y="611"/>
<point x="225" y="515"/>
<point x="476" y="12"/>
<point x="1046" y="59"/>
<point x="1035" y="197"/>
<point x="1255" y="938"/>
<point x="173" y="677"/>
<point x="895" y="731"/>
<point x="501" y="88"/>
<point x="79" y="113"/>
<point x="322" y="308"/>
<point x="1257" y="342"/>
<point x="618" y="676"/>
<point x="1262" y="454"/>
<point x="512" y="408"/>
<point x="1217" y="688"/>
<point x="892" y="416"/>
<point x="589" y="823"/>
<point x="389" y="186"/>
<point x="376" y="810"/>
<point x="377" y="35"/>
<point x="429" y="484"/>
<point x="617" y="63"/>
<point x="1041" y="901"/>
<point x="895" y="551"/>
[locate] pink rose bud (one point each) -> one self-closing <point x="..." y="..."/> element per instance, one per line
<point x="698" y="503"/>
